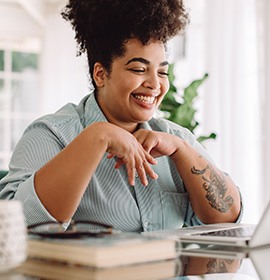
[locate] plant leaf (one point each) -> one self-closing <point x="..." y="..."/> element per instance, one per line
<point x="191" y="91"/>
<point x="183" y="113"/>
<point x="210" y="136"/>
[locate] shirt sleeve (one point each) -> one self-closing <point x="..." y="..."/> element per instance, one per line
<point x="36" y="147"/>
<point x="34" y="210"/>
<point x="192" y="220"/>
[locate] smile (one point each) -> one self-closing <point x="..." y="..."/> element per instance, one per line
<point x="145" y="99"/>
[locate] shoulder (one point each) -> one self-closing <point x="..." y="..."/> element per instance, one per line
<point x="66" y="123"/>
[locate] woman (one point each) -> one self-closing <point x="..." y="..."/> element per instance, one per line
<point x="108" y="159"/>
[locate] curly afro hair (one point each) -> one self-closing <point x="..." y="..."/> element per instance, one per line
<point x="102" y="27"/>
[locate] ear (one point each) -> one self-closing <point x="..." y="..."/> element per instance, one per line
<point x="99" y="74"/>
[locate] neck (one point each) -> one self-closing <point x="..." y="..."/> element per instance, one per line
<point x="130" y="127"/>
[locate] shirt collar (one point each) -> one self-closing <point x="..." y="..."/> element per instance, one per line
<point x="93" y="112"/>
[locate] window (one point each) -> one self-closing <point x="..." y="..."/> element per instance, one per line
<point x="19" y="95"/>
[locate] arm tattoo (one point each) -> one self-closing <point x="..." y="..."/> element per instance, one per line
<point x="215" y="187"/>
<point x="218" y="265"/>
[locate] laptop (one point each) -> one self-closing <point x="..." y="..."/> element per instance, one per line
<point x="225" y="234"/>
<point x="258" y="257"/>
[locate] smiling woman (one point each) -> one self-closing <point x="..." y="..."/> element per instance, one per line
<point x="108" y="160"/>
<point x="136" y="85"/>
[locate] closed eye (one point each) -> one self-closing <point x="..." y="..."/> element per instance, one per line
<point x="137" y="70"/>
<point x="163" y="73"/>
<point x="143" y="71"/>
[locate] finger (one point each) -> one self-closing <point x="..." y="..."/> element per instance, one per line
<point x="119" y="163"/>
<point x="142" y="139"/>
<point x="147" y="156"/>
<point x="147" y="145"/>
<point x="110" y="156"/>
<point x="150" y="158"/>
<point x="149" y="170"/>
<point x="143" y="167"/>
<point x="130" y="165"/>
<point x="142" y="174"/>
<point x="147" y="139"/>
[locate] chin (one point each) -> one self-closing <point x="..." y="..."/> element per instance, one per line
<point x="142" y="120"/>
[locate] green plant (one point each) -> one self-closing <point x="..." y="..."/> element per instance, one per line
<point x="183" y="112"/>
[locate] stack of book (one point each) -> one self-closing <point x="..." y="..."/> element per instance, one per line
<point x="47" y="269"/>
<point x="114" y="255"/>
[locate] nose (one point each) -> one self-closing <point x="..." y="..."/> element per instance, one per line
<point x="152" y="82"/>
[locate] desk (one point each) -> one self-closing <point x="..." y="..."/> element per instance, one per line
<point x="252" y="265"/>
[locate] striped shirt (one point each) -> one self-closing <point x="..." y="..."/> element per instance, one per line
<point x="109" y="198"/>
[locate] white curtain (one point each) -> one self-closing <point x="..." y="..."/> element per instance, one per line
<point x="263" y="39"/>
<point x="222" y="40"/>
<point x="64" y="76"/>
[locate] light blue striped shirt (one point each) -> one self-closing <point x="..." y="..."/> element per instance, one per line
<point x="164" y="203"/>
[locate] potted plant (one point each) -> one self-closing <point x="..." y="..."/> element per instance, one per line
<point x="183" y="112"/>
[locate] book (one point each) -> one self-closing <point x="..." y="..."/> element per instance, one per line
<point x="65" y="271"/>
<point x="107" y="251"/>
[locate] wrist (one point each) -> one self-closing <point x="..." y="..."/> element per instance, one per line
<point x="179" y="150"/>
<point x="98" y="135"/>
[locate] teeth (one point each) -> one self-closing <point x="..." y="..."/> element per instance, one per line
<point x="146" y="99"/>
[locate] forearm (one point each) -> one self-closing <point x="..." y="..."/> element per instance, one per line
<point x="213" y="195"/>
<point x="61" y="183"/>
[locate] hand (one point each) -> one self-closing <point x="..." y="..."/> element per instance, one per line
<point x="158" y="143"/>
<point x="129" y="151"/>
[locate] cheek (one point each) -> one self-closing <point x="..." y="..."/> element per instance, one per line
<point x="165" y="86"/>
<point x="164" y="89"/>
<point x="125" y="84"/>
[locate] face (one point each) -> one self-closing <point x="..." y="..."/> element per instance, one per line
<point x="136" y="85"/>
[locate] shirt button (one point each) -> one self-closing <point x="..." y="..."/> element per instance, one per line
<point x="136" y="174"/>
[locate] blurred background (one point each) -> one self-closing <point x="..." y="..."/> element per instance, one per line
<point x="228" y="39"/>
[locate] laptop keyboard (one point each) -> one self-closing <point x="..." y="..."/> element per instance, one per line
<point x="236" y="232"/>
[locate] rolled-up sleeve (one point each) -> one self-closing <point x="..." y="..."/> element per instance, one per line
<point x="36" y="147"/>
<point x="192" y="220"/>
<point x="34" y="210"/>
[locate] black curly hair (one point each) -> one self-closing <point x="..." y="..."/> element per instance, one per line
<point x="102" y="27"/>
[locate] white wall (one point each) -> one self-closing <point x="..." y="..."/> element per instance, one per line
<point x="64" y="77"/>
<point x="15" y="24"/>
<point x="264" y="41"/>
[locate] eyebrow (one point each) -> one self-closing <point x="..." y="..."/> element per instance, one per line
<point x="145" y="61"/>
